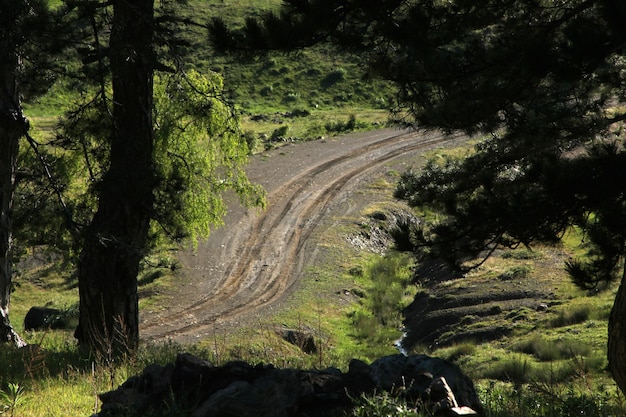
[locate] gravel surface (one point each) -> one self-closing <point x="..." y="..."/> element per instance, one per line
<point x="255" y="260"/>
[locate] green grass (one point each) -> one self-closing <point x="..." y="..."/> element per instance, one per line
<point x="554" y="365"/>
<point x="320" y="83"/>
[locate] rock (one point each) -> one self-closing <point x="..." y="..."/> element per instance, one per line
<point x="416" y="372"/>
<point x="217" y="402"/>
<point x="150" y="389"/>
<point x="441" y="396"/>
<point x="277" y="393"/>
<point x="41" y="318"/>
<point x="462" y="411"/>
<point x="495" y="310"/>
<point x="383" y="230"/>
<point x="303" y="339"/>
<point x="237" y="389"/>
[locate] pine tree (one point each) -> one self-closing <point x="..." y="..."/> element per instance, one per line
<point x="164" y="156"/>
<point x="543" y="81"/>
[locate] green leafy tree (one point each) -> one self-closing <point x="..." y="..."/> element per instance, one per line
<point x="542" y="80"/>
<point x="158" y="152"/>
<point x="200" y="155"/>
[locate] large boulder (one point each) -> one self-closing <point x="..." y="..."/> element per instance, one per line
<point x="238" y="389"/>
<point x="415" y="373"/>
<point x="303" y="339"/>
<point x="43" y="318"/>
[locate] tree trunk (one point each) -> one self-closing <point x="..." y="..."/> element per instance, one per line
<point x="617" y="336"/>
<point x="116" y="238"/>
<point x="12" y="127"/>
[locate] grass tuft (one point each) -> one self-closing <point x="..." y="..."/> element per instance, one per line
<point x="571" y="315"/>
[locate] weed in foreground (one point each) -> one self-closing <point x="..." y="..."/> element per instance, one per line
<point x="11" y="399"/>
<point x="548" y="400"/>
<point x="384" y="404"/>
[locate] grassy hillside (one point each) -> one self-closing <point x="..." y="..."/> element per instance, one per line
<point x="279" y="96"/>
<point x="551" y="363"/>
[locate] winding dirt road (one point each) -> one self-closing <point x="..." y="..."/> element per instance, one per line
<point x="257" y="257"/>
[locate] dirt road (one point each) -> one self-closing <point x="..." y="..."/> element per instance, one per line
<point x="256" y="259"/>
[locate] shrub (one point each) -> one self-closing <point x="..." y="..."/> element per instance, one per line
<point x="516" y="272"/>
<point x="334" y="77"/>
<point x="540" y="348"/>
<point x="269" y="63"/>
<point x="389" y="291"/>
<point x="455" y="352"/>
<point x="299" y="113"/>
<point x="341" y="127"/>
<point x="517" y="369"/>
<point x="252" y="140"/>
<point x="365" y="325"/>
<point x="574" y="315"/>
<point x="266" y="91"/>
<point x="291" y="97"/>
<point x="280" y="132"/>
<point x="546" y="350"/>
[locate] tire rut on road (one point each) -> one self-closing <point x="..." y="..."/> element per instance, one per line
<point x="256" y="259"/>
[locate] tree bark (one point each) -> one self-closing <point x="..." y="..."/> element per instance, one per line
<point x="617" y="336"/>
<point x="12" y="128"/>
<point x="116" y="238"/>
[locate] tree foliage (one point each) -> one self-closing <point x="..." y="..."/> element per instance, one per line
<point x="541" y="82"/>
<point x="166" y="154"/>
<point x="123" y="156"/>
<point x="199" y="152"/>
<point x="200" y="155"/>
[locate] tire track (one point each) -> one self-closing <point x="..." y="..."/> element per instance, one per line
<point x="262" y="256"/>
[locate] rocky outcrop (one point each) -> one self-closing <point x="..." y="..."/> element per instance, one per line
<point x="238" y="389"/>
<point x="303" y="339"/>
<point x="382" y="230"/>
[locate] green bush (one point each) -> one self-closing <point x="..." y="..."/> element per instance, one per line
<point x="341" y="127"/>
<point x="291" y="97"/>
<point x="453" y="353"/>
<point x="334" y="77"/>
<point x="280" y="132"/>
<point x="540" y="348"/>
<point x="266" y="91"/>
<point x="573" y="315"/>
<point x="517" y="370"/>
<point x="252" y="140"/>
<point x="516" y="272"/>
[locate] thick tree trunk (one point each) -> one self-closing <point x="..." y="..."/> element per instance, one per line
<point x="617" y="336"/>
<point x="12" y="126"/>
<point x="116" y="239"/>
